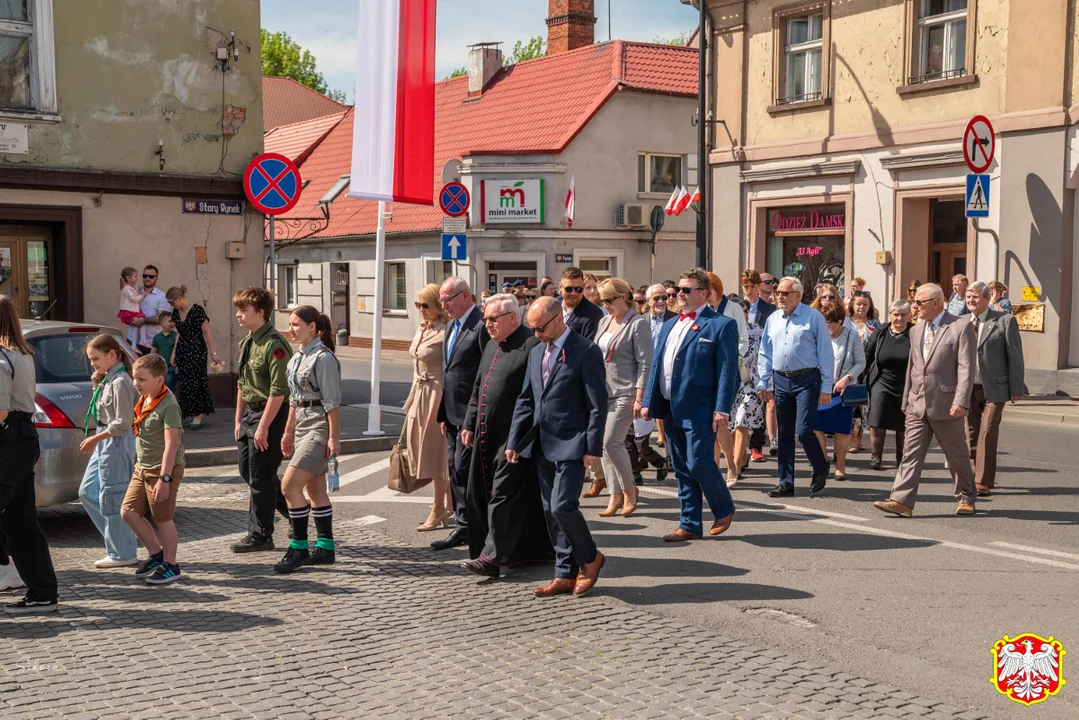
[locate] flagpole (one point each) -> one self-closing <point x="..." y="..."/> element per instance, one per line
<point x="374" y="410"/>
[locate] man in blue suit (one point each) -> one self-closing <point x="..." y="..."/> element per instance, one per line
<point x="692" y="388"/>
<point x="559" y="421"/>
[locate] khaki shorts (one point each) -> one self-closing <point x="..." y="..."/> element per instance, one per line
<point x="140" y="494"/>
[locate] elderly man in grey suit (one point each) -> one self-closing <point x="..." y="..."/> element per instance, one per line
<point x="940" y="378"/>
<point x="998" y="378"/>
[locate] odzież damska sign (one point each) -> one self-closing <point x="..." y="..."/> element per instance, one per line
<point x="214" y="207"/>
<point x="512" y="201"/>
<point x="810" y="221"/>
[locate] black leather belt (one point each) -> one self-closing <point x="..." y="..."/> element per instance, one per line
<point x="795" y="373"/>
<point x="256" y="405"/>
<point x="309" y="404"/>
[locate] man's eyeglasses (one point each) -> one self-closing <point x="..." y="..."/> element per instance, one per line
<point x="148" y="277"/>
<point x="785" y="293"/>
<point x="450" y="299"/>
<point x="541" y="328"/>
<point x="919" y="303"/>
<point x="494" y="318"/>
<point x="687" y="290"/>
<point x="574" y="290"/>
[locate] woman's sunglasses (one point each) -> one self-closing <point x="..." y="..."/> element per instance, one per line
<point x="422" y="306"/>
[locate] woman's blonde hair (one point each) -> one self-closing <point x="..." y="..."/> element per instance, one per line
<point x="175" y="293"/>
<point x="612" y="288"/>
<point x="11" y="329"/>
<point x="429" y="295"/>
<point x="821" y="290"/>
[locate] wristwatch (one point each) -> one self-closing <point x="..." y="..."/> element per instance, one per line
<point x="165" y="478"/>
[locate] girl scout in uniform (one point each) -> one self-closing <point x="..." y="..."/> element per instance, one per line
<point x="19" y="451"/>
<point x="111" y="439"/>
<point x="312" y="436"/>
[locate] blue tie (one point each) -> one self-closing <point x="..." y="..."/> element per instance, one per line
<point x="453" y="338"/>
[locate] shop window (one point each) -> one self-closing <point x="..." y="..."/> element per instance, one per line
<point x="395" y="287"/>
<point x="801" y="61"/>
<point x="288" y="286"/>
<point x="658" y="173"/>
<point x="27" y="65"/>
<point x="808" y="243"/>
<point x="438" y="271"/>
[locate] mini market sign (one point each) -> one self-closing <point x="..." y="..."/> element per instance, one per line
<point x="512" y="201"/>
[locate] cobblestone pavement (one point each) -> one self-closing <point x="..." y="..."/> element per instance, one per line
<point x="372" y="637"/>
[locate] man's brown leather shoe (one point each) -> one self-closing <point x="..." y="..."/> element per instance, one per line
<point x="558" y="586"/>
<point x="891" y="506"/>
<point x="720" y="526"/>
<point x="983" y="490"/>
<point x="598" y="486"/>
<point x="964" y="509"/>
<point x="680" y="535"/>
<point x="589" y="574"/>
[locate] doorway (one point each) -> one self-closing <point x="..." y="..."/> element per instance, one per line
<point x="339" y="294"/>
<point x="947" y="241"/>
<point x="499" y="273"/>
<point x="26" y="269"/>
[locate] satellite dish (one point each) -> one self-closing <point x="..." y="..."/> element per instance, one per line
<point x="451" y="171"/>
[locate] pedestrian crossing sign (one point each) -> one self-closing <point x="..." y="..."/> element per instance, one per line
<point x="977" y="196"/>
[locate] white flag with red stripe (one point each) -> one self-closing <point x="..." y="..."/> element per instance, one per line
<point x="695" y="196"/>
<point x="393" y="135"/>
<point x="571" y="200"/>
<point x="682" y="202"/>
<point x="669" y="209"/>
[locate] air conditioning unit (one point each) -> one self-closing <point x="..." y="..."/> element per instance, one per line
<point x="634" y="215"/>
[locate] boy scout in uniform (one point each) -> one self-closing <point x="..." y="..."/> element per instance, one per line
<point x="261" y="414"/>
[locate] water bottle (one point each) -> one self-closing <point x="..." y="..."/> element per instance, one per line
<point x="332" y="478"/>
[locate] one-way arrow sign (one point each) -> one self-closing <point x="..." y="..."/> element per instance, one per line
<point x="454" y="246"/>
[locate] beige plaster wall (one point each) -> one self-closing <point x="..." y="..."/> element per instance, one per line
<point x="139" y="231"/>
<point x="128" y="73"/>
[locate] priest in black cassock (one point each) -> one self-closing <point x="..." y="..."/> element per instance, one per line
<point x="506" y="525"/>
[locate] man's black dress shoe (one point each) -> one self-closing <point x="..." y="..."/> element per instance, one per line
<point x="819" y="481"/>
<point x="458" y="537"/>
<point x="781" y="491"/>
<point x="482" y="567"/>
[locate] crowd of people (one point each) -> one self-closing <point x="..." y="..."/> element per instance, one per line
<point x="510" y="410"/>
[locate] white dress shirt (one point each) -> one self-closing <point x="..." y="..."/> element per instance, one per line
<point x="982" y="330"/>
<point x="670" y="350"/>
<point x="152" y="305"/>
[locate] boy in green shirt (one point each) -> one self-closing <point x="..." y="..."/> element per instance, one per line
<point x="159" y="467"/>
<point x="164" y="344"/>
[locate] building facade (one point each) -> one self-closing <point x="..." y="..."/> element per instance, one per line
<point x="116" y="120"/>
<point x="838" y="148"/>
<point x="614" y="118"/>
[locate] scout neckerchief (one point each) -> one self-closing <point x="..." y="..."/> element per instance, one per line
<point x="141" y="412"/>
<point x="91" y="412"/>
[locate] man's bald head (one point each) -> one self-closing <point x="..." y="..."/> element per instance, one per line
<point x="545" y="317"/>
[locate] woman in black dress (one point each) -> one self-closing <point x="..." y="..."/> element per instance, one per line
<point x="887" y="356"/>
<point x="193" y="343"/>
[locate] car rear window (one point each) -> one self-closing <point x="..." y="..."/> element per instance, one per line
<point x="62" y="358"/>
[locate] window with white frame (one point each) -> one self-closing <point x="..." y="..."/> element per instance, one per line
<point x="288" y="282"/>
<point x="395" y="298"/>
<point x="941" y="40"/>
<point x="602" y="268"/>
<point x="658" y="173"/>
<point x="438" y="271"/>
<point x="27" y="64"/>
<point x="802" y="59"/>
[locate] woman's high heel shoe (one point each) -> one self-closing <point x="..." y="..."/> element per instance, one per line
<point x="439" y="522"/>
<point x="629" y="510"/>
<point x="610" y="512"/>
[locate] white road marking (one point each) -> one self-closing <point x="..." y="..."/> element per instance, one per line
<point x="365" y="471"/>
<point x="369" y="520"/>
<point x="773" y="507"/>
<point x="383" y="494"/>
<point x="1040" y="551"/>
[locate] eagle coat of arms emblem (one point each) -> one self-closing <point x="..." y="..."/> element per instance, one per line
<point x="1028" y="668"/>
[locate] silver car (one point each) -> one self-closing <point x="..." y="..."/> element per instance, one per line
<point x="63" y="397"/>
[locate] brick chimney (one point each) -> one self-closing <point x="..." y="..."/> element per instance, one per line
<point x="570" y="25"/>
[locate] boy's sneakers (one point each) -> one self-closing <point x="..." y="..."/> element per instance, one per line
<point x="756" y="456"/>
<point x="149" y="566"/>
<point x="250" y="543"/>
<point x="773" y="447"/>
<point x="110" y="562"/>
<point x="9" y="577"/>
<point x="294" y="559"/>
<point x="164" y="574"/>
<point x="322" y="556"/>
<point x="26" y="606"/>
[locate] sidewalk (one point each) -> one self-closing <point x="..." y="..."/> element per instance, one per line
<point x="1054" y="409"/>
<point x="215" y="443"/>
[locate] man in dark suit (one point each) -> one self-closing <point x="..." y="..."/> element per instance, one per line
<point x="759" y="312"/>
<point x="692" y="386"/>
<point x="559" y="422"/>
<point x="578" y="313"/>
<point x="465" y="339"/>
<point x="998" y="378"/>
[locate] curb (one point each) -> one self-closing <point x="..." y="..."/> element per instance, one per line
<point x="1053" y="418"/>
<point x="209" y="457"/>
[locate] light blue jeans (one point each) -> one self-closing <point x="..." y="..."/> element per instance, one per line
<point x="104" y="485"/>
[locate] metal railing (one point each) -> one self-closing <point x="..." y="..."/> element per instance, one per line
<point x="943" y="75"/>
<point x="807" y="97"/>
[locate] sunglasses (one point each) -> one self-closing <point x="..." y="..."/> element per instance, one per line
<point x="827" y="297"/>
<point x="574" y="290"/>
<point x="541" y="328"/>
<point x="686" y="290"/>
<point x="785" y="293"/>
<point x="640" y="301"/>
<point x="919" y="303"/>
<point x="148" y="277"/>
<point x="861" y="293"/>
<point x="659" y="298"/>
<point x="768" y="282"/>
<point x="531" y="297"/>
<point x="495" y="318"/>
<point x="422" y="306"/>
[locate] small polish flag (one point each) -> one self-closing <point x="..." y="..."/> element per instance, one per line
<point x="696" y="196"/>
<point x="669" y="209"/>
<point x="571" y="200"/>
<point x="682" y="203"/>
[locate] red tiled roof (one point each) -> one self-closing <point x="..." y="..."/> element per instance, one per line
<point x="285" y="101"/>
<point x="298" y="140"/>
<point x="534" y="107"/>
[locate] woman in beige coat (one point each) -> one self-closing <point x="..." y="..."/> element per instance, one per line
<point x="423" y="434"/>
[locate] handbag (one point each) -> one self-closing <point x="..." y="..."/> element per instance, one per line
<point x="401" y="477"/>
<point x="855" y="396"/>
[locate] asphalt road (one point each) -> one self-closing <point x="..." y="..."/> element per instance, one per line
<point x="356" y="380"/>
<point x="916" y="603"/>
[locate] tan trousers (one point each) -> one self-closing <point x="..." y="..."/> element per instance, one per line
<point x="919" y="432"/>
<point x="983" y="431"/>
